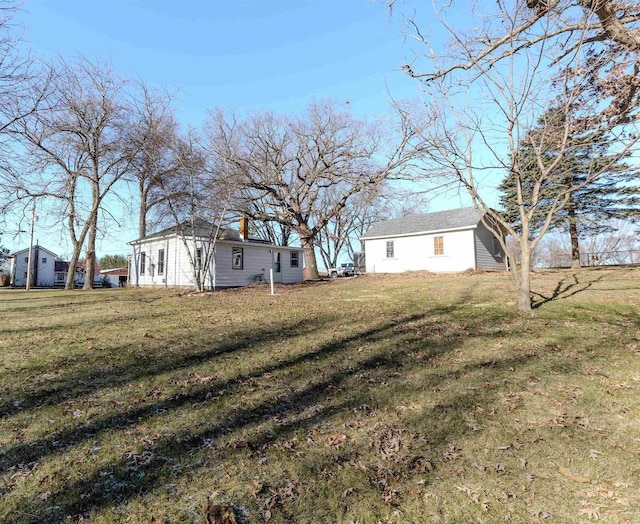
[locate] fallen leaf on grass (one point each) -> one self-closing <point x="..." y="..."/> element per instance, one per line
<point x="542" y="514"/>
<point x="572" y="476"/>
<point x="591" y="511"/>
<point x="336" y="439"/>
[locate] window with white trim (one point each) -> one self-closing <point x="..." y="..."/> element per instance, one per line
<point x="237" y="258"/>
<point x="390" y="249"/>
<point x="160" y="261"/>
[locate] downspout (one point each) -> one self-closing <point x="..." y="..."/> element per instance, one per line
<point x="175" y="263"/>
<point x="165" y="262"/>
<point x="475" y="249"/>
<point x="213" y="261"/>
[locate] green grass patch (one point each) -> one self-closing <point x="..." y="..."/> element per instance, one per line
<point x="409" y="398"/>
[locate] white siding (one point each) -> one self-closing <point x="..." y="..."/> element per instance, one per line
<point x="257" y="260"/>
<point x="45" y="270"/>
<point x="178" y="270"/>
<point x="416" y="252"/>
<point x="290" y="274"/>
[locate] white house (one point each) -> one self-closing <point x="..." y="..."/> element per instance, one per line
<point x="43" y="263"/>
<point x="163" y="260"/>
<point x="445" y="241"/>
<point x="62" y="270"/>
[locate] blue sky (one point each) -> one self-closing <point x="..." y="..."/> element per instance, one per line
<point x="245" y="54"/>
<point x="249" y="55"/>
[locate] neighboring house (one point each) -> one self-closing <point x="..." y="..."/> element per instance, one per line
<point x="162" y="260"/>
<point x="117" y="277"/>
<point x="454" y="240"/>
<point x="62" y="269"/>
<point x="42" y="267"/>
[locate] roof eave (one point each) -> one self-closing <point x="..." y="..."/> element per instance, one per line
<point x="418" y="233"/>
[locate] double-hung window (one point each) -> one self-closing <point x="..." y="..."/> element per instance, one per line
<point x="160" y="261"/>
<point x="390" y="251"/>
<point x="143" y="262"/>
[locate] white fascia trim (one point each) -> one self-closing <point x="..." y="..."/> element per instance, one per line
<point x="420" y="233"/>
<point x="220" y="241"/>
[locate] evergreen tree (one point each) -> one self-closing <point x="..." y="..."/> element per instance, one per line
<point x="113" y="261"/>
<point x="614" y="195"/>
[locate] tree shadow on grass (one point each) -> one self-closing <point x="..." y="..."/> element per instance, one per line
<point x="121" y="481"/>
<point x="88" y="380"/>
<point x="337" y="377"/>
<point x="565" y="288"/>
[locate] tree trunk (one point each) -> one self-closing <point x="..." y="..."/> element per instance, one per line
<point x="310" y="263"/>
<point x="89" y="263"/>
<point x="573" y="233"/>
<point x="522" y="278"/>
<point x="71" y="270"/>
<point x="90" y="258"/>
<point x="142" y="217"/>
<point x="523" y="283"/>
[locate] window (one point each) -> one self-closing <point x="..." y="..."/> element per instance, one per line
<point x="237" y="256"/>
<point x="438" y="245"/>
<point x="143" y="262"/>
<point x="26" y="260"/>
<point x="294" y="259"/>
<point x="199" y="258"/>
<point x="497" y="250"/>
<point x="390" y="249"/>
<point x="44" y="260"/>
<point x="278" y="267"/>
<point x="161" y="262"/>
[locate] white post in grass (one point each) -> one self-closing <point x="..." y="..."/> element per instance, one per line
<point x="273" y="291"/>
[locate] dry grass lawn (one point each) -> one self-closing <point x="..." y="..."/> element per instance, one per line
<point x="379" y="399"/>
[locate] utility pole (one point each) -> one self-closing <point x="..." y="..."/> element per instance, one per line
<point x="29" y="259"/>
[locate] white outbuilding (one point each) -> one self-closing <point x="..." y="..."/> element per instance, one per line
<point x="444" y="241"/>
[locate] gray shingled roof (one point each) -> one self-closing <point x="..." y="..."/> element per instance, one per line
<point x="438" y="221"/>
<point x="202" y="228"/>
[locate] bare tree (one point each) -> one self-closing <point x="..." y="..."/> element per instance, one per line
<point x="274" y="232"/>
<point x="337" y="237"/>
<point x="529" y="23"/>
<point x="490" y="89"/>
<point x="155" y="132"/>
<point x="302" y="171"/>
<point x="197" y="195"/>
<point x="78" y="148"/>
<point x="378" y="203"/>
<point x="23" y="84"/>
